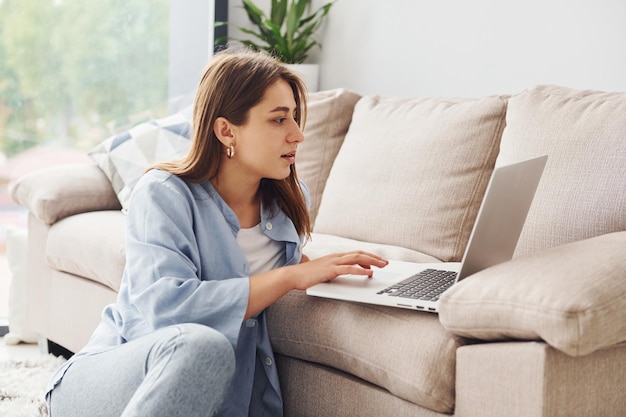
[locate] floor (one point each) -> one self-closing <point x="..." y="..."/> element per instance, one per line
<point x="18" y="352"/>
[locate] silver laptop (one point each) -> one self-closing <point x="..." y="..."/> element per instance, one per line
<point x="493" y="240"/>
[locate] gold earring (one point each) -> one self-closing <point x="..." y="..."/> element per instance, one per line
<point x="230" y="151"/>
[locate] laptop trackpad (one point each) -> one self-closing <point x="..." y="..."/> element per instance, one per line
<point x="381" y="279"/>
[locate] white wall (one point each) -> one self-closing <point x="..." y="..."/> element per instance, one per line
<point x="468" y="47"/>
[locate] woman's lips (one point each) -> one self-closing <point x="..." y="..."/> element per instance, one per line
<point x="289" y="157"/>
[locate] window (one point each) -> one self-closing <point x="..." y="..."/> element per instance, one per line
<point x="73" y="73"/>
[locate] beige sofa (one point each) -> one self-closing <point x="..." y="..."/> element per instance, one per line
<point x="541" y="335"/>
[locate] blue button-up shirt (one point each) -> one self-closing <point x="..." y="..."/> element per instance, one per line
<point x="184" y="266"/>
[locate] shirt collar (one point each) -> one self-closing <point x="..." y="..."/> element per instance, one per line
<point x="274" y="222"/>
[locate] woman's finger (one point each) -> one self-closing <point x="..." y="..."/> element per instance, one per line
<point x="364" y="259"/>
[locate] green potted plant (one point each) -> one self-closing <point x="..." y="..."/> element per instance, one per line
<point x="287" y="33"/>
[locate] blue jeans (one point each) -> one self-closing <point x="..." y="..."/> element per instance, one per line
<point x="183" y="370"/>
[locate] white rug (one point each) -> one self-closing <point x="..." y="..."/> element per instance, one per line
<point x="22" y="385"/>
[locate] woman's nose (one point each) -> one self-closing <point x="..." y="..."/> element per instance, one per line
<point x="296" y="135"/>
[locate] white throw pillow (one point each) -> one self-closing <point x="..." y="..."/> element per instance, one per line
<point x="17" y="253"/>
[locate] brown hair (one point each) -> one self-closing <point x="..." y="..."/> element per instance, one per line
<point x="231" y="85"/>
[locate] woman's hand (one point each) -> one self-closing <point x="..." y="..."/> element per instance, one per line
<point x="326" y="268"/>
<point x="270" y="286"/>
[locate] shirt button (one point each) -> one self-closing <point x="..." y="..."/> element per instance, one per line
<point x="268" y="226"/>
<point x="268" y="361"/>
<point x="250" y="323"/>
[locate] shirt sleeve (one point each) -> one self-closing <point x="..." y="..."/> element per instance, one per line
<point x="163" y="263"/>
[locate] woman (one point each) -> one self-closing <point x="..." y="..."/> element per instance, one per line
<point x="211" y="241"/>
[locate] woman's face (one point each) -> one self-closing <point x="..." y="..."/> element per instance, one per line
<point x="265" y="146"/>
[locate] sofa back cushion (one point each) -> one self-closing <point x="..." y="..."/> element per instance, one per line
<point x="328" y="117"/>
<point x="412" y="172"/>
<point x="582" y="192"/>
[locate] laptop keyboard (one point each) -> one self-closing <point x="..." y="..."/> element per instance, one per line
<point x="426" y="285"/>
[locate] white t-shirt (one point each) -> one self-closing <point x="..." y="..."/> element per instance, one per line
<point x="262" y="253"/>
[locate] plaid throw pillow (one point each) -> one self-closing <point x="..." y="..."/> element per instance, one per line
<point x="125" y="157"/>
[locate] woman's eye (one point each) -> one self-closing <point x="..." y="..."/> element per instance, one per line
<point x="280" y="120"/>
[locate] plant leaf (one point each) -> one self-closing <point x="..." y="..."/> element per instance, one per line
<point x="278" y="11"/>
<point x="301" y="6"/>
<point x="293" y="23"/>
<point x="255" y="14"/>
<point x="279" y="42"/>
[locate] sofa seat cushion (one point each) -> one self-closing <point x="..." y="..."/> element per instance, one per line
<point x="90" y="245"/>
<point x="572" y="296"/>
<point x="321" y="244"/>
<point x="406" y="352"/>
<point x="413" y="172"/>
<point x="582" y="192"/>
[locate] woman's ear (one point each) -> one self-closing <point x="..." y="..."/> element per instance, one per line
<point x="223" y="129"/>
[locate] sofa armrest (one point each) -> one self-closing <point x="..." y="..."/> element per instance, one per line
<point x="572" y="296"/>
<point x="529" y="379"/>
<point x="54" y="193"/>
